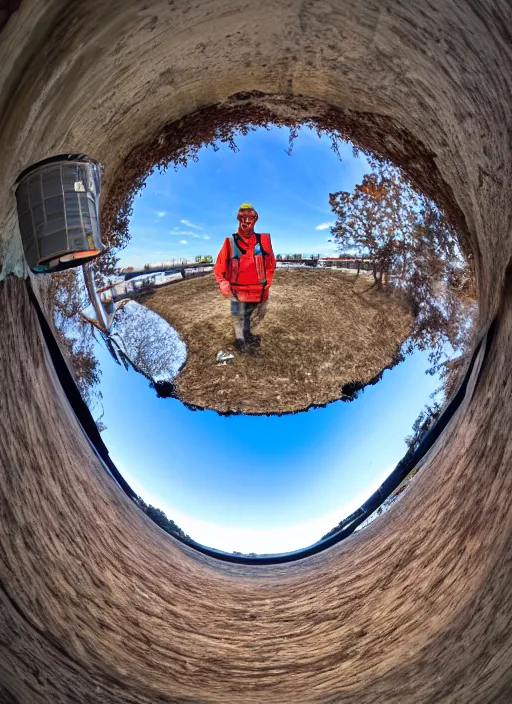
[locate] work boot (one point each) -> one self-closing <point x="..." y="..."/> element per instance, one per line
<point x="251" y="339"/>
<point x="239" y="344"/>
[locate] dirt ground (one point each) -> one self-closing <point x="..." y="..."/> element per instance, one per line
<point x="324" y="328"/>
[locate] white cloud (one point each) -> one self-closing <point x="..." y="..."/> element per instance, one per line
<point x="190" y="233"/>
<point x="161" y="213"/>
<point x="324" y="225"/>
<point x="190" y="224"/>
<point x="177" y="231"/>
<point x="183" y="241"/>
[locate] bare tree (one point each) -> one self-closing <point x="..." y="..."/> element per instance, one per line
<point x="148" y="342"/>
<point x="412" y="247"/>
<point x="377" y="220"/>
<point x="67" y="299"/>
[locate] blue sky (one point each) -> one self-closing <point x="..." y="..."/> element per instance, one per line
<point x="190" y="211"/>
<point x="259" y="484"/>
<point x="254" y="484"/>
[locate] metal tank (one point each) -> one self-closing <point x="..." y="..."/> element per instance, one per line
<point x="58" y="212"/>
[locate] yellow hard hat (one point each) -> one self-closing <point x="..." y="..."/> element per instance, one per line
<point x="246" y="206"/>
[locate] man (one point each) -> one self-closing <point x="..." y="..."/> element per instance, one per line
<point x="244" y="271"/>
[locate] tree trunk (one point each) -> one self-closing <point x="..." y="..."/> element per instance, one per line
<point x="374" y="271"/>
<point x="404" y="268"/>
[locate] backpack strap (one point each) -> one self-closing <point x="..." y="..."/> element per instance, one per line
<point x="259" y="258"/>
<point x="235" y="258"/>
<point x="236" y="249"/>
<point x="259" y="242"/>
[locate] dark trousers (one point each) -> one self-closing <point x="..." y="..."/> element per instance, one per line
<point x="242" y="313"/>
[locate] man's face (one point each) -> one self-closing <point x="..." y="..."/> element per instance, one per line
<point x="246" y="220"/>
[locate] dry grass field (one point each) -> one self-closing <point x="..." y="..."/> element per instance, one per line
<point x="324" y="329"/>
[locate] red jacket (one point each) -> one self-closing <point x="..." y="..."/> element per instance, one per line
<point x="243" y="272"/>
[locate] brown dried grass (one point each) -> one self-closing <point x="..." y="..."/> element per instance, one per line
<point x="323" y="329"/>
